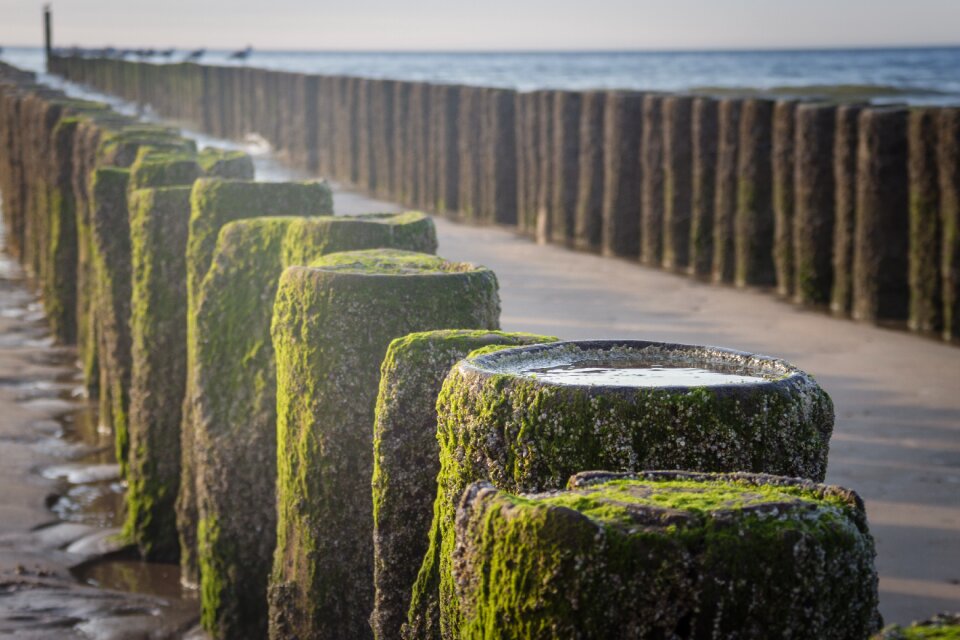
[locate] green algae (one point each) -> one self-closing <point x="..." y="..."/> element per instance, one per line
<point x="235" y="406"/>
<point x="666" y="555"/>
<point x="158" y="230"/>
<point x="523" y="435"/>
<point x="162" y="168"/>
<point x="331" y="331"/>
<point x="229" y="165"/>
<point x="213" y="204"/>
<point x="406" y="457"/>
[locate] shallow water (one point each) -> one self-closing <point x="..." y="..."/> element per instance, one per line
<point x="88" y="489"/>
<point x="638" y="376"/>
<point x="131" y="574"/>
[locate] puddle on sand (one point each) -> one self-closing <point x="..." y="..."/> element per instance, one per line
<point x="133" y="575"/>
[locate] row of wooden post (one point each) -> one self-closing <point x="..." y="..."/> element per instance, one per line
<point x="849" y="207"/>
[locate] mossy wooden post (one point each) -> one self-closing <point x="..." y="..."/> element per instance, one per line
<point x="366" y="170"/>
<point x="622" y="175"/>
<point x="753" y="222"/>
<point x="497" y="421"/>
<point x="448" y="133"/>
<point x="567" y="106"/>
<point x="383" y="136"/>
<point x="484" y="210"/>
<point x="347" y="131"/>
<point x="588" y="217"/>
<point x="214" y="203"/>
<point x="528" y="148"/>
<point x="926" y="306"/>
<point x="332" y="326"/>
<point x="60" y="285"/>
<point x="784" y="118"/>
<point x="230" y="165"/>
<point x="401" y="136"/>
<point x="705" y="133"/>
<point x="651" y="198"/>
<point x="677" y="181"/>
<point x="845" y="142"/>
<point x="814" y="190"/>
<point x="415" y="165"/>
<point x="546" y="173"/>
<point x="85" y="143"/>
<point x="158" y="230"/>
<point x="667" y="554"/>
<point x="325" y="125"/>
<point x="948" y="159"/>
<point x="406" y="458"/>
<point x="503" y="172"/>
<point x="469" y="159"/>
<point x="881" y="237"/>
<point x="110" y="244"/>
<point x="235" y="439"/>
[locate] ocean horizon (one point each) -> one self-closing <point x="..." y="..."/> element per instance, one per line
<point x="912" y="75"/>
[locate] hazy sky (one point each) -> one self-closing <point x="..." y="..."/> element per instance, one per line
<point x="486" y="24"/>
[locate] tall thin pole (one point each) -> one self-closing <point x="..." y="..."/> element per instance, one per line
<point x="47" y="32"/>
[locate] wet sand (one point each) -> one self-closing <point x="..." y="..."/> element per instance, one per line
<point x="61" y="497"/>
<point x="896" y="395"/>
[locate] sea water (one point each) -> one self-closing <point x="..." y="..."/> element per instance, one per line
<point x="922" y="75"/>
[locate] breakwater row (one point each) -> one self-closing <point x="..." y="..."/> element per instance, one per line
<point x="243" y="341"/>
<point x="849" y="207"/>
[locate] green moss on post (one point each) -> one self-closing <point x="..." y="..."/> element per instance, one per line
<point x="814" y="217"/>
<point x="110" y="232"/>
<point x="157" y="168"/>
<point x="705" y="134"/>
<point x="753" y="223"/>
<point x="784" y="118"/>
<point x="725" y="202"/>
<point x="406" y="459"/>
<point x="948" y="159"/>
<point x="623" y="133"/>
<point x="230" y="165"/>
<point x="926" y="307"/>
<point x="158" y="231"/>
<point x="523" y="434"/>
<point x="651" y="197"/>
<point x="214" y="203"/>
<point x="677" y="180"/>
<point x="60" y="285"/>
<point x="845" y="144"/>
<point x="881" y="238"/>
<point x="666" y="554"/>
<point x="940" y="627"/>
<point x="235" y="401"/>
<point x="110" y="243"/>
<point x="332" y="325"/>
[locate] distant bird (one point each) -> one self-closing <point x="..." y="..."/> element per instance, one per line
<point x="196" y="54"/>
<point x="243" y="54"/>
